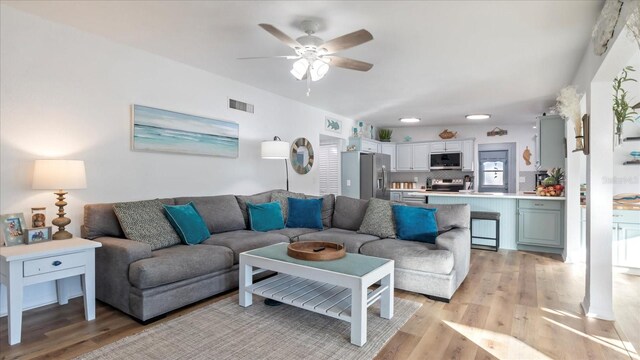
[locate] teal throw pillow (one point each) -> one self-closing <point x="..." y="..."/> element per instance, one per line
<point x="265" y="217"/>
<point x="188" y="223"/>
<point x="415" y="223"/>
<point x="305" y="213"/>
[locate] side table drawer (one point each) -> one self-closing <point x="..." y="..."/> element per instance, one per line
<point x="53" y="263"/>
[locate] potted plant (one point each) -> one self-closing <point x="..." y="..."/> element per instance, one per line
<point x="622" y="111"/>
<point x="385" y="135"/>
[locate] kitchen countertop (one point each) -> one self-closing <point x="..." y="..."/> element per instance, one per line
<point x="403" y="190"/>
<point x="616" y="206"/>
<point x="486" y="195"/>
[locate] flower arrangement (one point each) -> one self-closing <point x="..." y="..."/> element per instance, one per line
<point x="622" y="111"/>
<point x="568" y="106"/>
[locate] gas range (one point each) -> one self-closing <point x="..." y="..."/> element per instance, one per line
<point x="447" y="185"/>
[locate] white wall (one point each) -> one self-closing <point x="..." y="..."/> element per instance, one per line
<point x="522" y="135"/>
<point x="67" y="94"/>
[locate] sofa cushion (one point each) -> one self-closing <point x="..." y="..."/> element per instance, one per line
<point x="145" y="221"/>
<point x="411" y="255"/>
<point x="293" y="233"/>
<point x="265" y="217"/>
<point x="378" y="219"/>
<point x="416" y="223"/>
<point x="282" y="196"/>
<point x="328" y="204"/>
<point x="221" y="213"/>
<point x="178" y="263"/>
<point x="260" y="198"/>
<point x="305" y="213"/>
<point x="349" y="212"/>
<point x="245" y="240"/>
<point x="349" y="238"/>
<point x="188" y="223"/>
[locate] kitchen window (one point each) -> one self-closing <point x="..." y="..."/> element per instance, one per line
<point x="494" y="171"/>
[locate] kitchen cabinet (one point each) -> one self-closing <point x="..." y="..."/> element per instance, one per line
<point x="541" y="223"/>
<point x="389" y="149"/>
<point x="420" y="154"/>
<point x="363" y="144"/>
<point x="412" y="157"/>
<point x="468" y="158"/>
<point x="550" y="142"/>
<point x="625" y="234"/>
<point x="446" y="146"/>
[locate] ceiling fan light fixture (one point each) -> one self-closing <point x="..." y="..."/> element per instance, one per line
<point x="318" y="70"/>
<point x="410" y="120"/>
<point x="478" y="116"/>
<point x="300" y="68"/>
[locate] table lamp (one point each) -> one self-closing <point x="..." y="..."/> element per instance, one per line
<point x="277" y="149"/>
<point x="59" y="175"/>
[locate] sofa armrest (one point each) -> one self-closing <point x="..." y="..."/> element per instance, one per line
<point x="458" y="241"/>
<point x="112" y="269"/>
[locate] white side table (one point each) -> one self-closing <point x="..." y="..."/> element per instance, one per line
<point x="24" y="265"/>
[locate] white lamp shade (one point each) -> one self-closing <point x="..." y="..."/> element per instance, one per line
<point x="275" y="149"/>
<point x="59" y="174"/>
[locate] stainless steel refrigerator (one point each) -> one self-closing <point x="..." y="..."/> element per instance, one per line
<point x="374" y="176"/>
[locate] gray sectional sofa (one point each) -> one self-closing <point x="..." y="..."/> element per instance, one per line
<point x="145" y="283"/>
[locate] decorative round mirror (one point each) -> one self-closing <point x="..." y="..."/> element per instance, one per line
<point x="301" y="156"/>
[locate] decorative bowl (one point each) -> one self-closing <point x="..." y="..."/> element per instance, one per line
<point x="627" y="198"/>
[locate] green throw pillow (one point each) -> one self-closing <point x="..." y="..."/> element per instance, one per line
<point x="188" y="223"/>
<point x="265" y="217"/>
<point x="144" y="221"/>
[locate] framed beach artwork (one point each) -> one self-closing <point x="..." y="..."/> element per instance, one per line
<point x="168" y="131"/>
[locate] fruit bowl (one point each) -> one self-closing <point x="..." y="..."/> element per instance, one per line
<point x="551" y="190"/>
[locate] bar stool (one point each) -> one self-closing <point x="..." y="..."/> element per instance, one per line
<point x="485" y="215"/>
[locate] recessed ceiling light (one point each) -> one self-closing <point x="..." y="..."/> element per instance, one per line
<point x="478" y="116"/>
<point x="410" y="120"/>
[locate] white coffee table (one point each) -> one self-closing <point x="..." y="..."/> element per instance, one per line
<point x="336" y="288"/>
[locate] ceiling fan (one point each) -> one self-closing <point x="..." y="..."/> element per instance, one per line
<point x="314" y="55"/>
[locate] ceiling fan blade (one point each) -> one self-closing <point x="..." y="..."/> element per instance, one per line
<point x="281" y="36"/>
<point x="288" y="57"/>
<point x="347" y="41"/>
<point x="347" y="63"/>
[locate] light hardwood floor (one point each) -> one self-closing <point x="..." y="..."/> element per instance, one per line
<point x="513" y="305"/>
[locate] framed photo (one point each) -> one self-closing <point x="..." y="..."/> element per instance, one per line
<point x="13" y="226"/>
<point x="168" y="131"/>
<point x="36" y="235"/>
<point x="333" y="125"/>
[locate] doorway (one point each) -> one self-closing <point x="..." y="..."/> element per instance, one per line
<point x="497" y="171"/>
<point x="328" y="161"/>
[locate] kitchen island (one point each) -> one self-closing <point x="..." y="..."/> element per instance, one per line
<point x="527" y="221"/>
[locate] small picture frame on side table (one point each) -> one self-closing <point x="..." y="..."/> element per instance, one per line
<point x="13" y="226"/>
<point x="37" y="235"/>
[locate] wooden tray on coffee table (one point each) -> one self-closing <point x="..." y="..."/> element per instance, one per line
<point x="316" y="250"/>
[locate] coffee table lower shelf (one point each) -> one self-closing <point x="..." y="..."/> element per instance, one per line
<point x="316" y="296"/>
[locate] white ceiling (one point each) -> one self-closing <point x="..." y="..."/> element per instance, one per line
<point x="434" y="60"/>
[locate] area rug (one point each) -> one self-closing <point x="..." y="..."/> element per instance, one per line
<point x="225" y="330"/>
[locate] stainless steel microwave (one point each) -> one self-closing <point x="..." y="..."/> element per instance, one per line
<point x="446" y="161"/>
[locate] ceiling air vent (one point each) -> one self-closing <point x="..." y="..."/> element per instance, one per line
<point x="239" y="105"/>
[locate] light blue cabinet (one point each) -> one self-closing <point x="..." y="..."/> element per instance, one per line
<point x="550" y="141"/>
<point x="540" y="223"/>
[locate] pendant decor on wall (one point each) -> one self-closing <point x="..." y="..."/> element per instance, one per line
<point x="526" y="155"/>
<point x="167" y="131"/>
<point x="301" y="156"/>
<point x="497" y="132"/>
